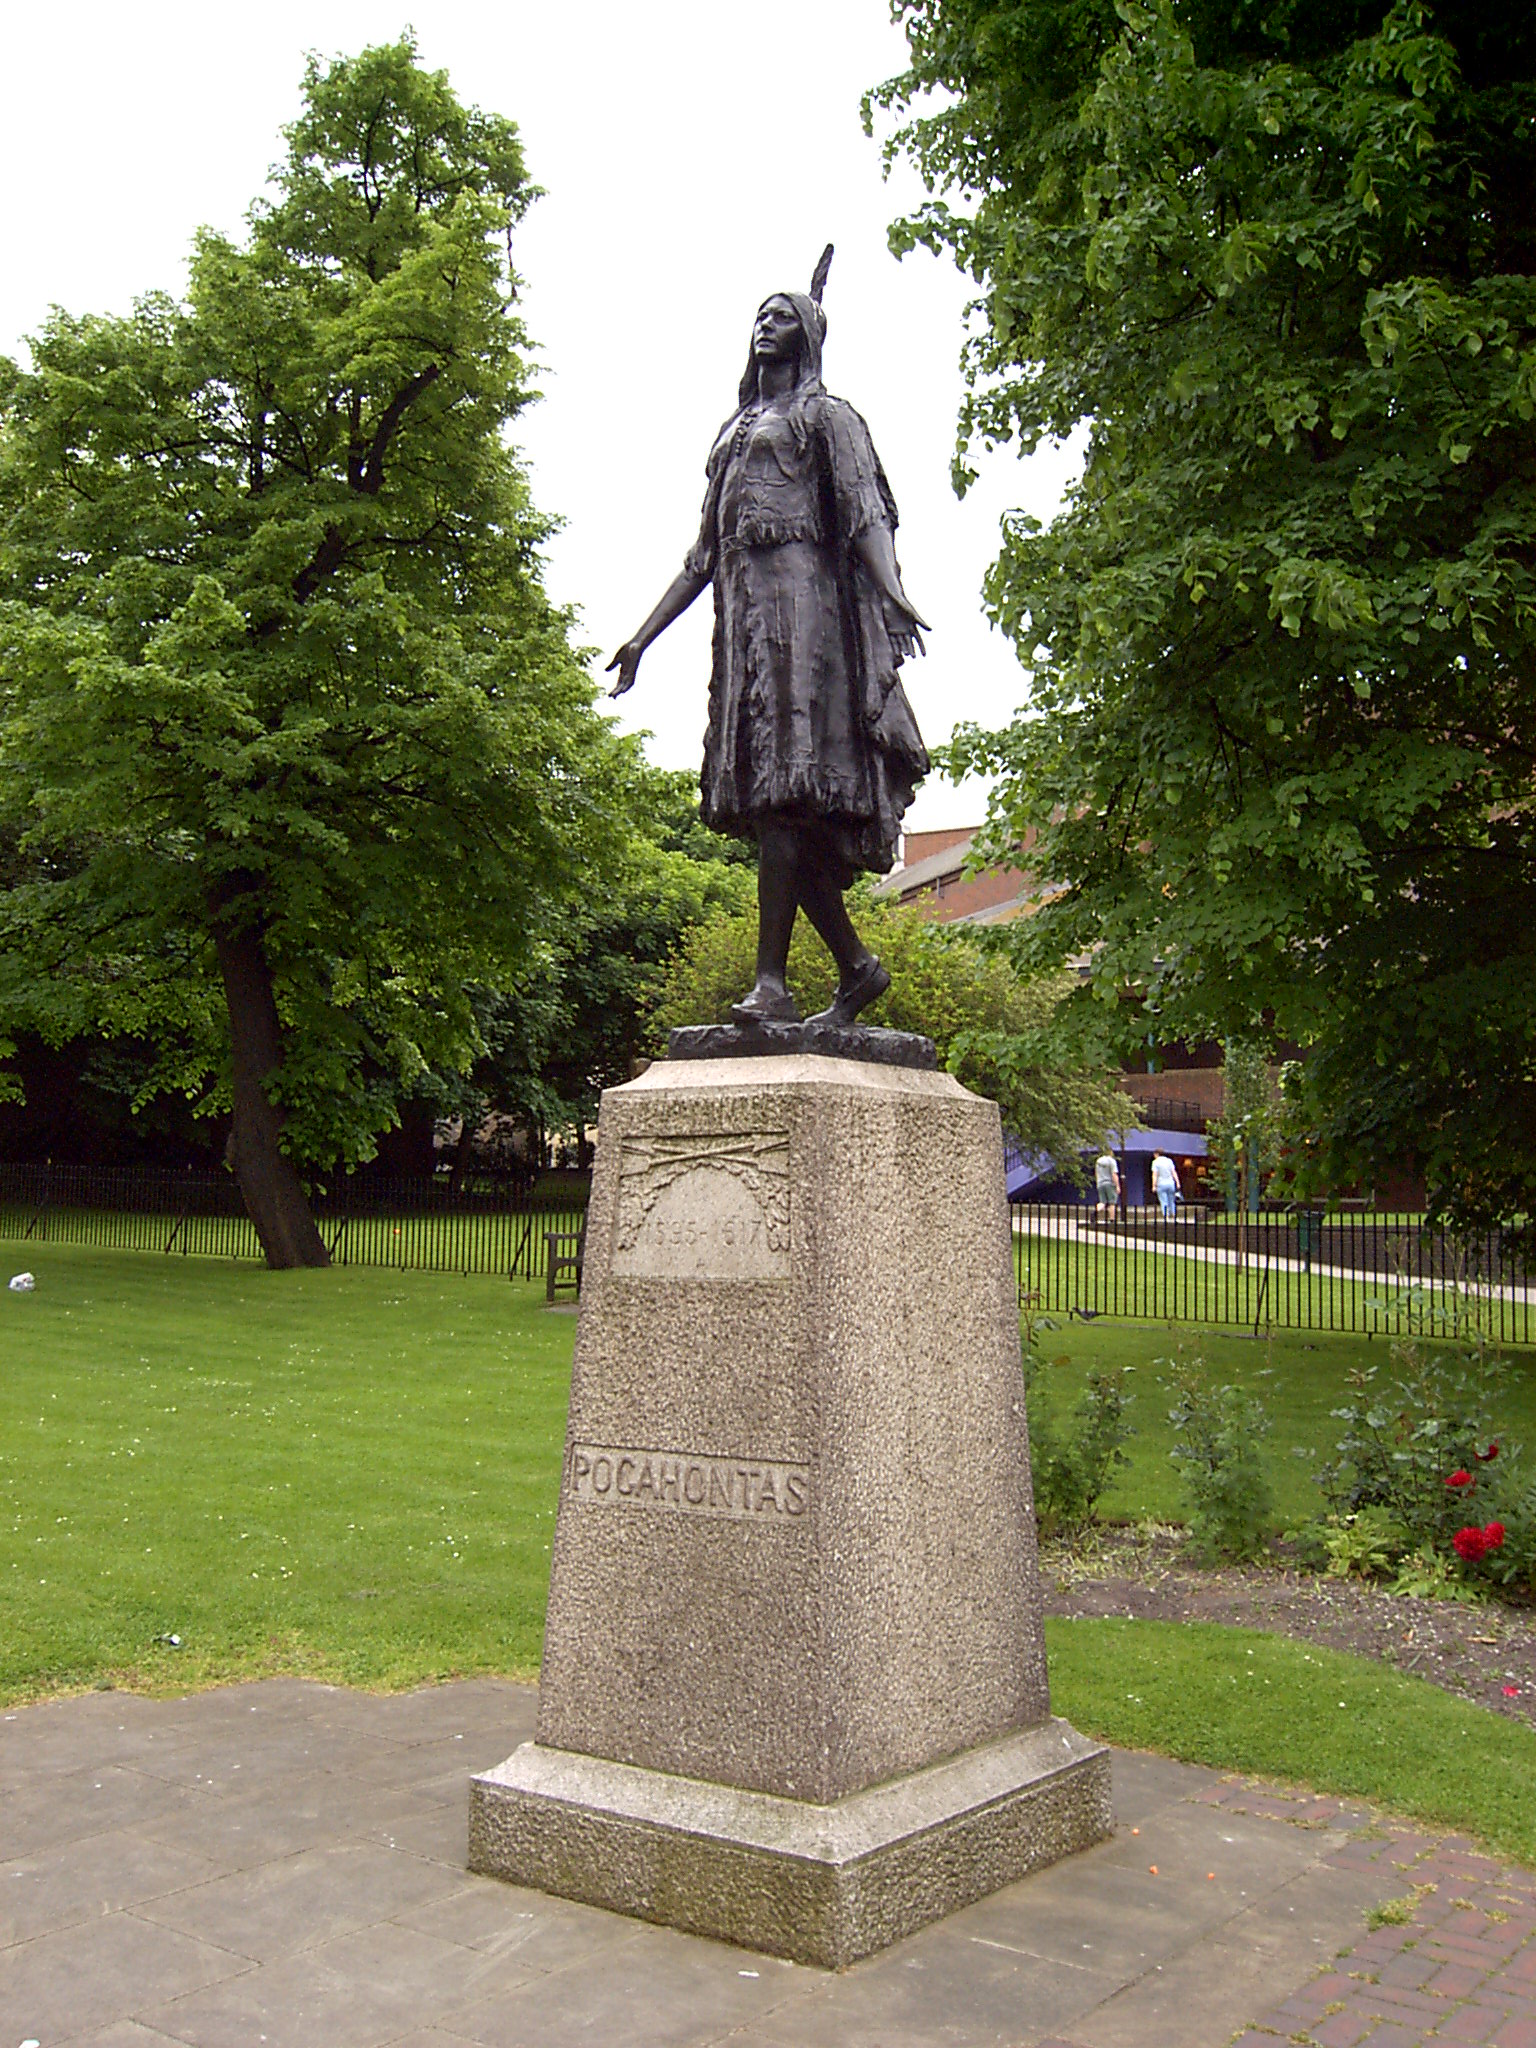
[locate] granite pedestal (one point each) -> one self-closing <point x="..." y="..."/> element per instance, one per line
<point x="794" y="1690"/>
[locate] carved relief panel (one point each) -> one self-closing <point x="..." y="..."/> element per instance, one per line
<point x="712" y="1207"/>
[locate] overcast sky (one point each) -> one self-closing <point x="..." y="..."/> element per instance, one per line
<point x="696" y="155"/>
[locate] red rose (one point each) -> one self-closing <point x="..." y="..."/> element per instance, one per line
<point x="1469" y="1545"/>
<point x="1459" y="1479"/>
<point x="1492" y="1451"/>
<point x="1493" y="1535"/>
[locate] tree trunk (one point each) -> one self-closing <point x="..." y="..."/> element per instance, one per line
<point x="463" y="1151"/>
<point x="274" y="1197"/>
<point x="1242" y="1209"/>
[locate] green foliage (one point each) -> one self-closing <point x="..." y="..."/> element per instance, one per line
<point x="578" y="1018"/>
<point x="1364" y="1545"/>
<point x="1406" y="1434"/>
<point x="1218" y="1432"/>
<point x="1279" y="265"/>
<point x="1430" y="1575"/>
<point x="992" y="1028"/>
<point x="1394" y="1912"/>
<point x="276" y="664"/>
<point x="1244" y="1140"/>
<point x="1512" y="1565"/>
<point x="1074" y="1457"/>
<point x="1429" y="1448"/>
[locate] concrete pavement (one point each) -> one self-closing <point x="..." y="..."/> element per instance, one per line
<point x="281" y="1865"/>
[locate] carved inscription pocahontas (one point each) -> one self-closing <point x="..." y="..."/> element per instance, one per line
<point x="756" y="1489"/>
<point x="710" y="1207"/>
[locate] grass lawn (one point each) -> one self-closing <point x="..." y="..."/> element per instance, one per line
<point x="352" y="1475"/>
<point x="1240" y="1700"/>
<point x="1299" y="1377"/>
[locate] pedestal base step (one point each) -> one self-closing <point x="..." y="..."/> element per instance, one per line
<point x="819" y="1884"/>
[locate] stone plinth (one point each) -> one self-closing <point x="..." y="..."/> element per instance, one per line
<point x="870" y="1043"/>
<point x="794" y="1687"/>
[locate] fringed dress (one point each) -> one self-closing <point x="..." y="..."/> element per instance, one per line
<point x="807" y="716"/>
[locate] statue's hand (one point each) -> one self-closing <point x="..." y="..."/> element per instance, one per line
<point x="626" y="661"/>
<point x="911" y="612"/>
<point x="902" y="620"/>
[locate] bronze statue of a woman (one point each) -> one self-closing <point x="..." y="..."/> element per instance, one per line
<point x="811" y="749"/>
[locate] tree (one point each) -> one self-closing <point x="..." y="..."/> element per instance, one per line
<point x="1245" y="1140"/>
<point x="992" y="1029"/>
<point x="578" y="1019"/>
<point x="1279" y="749"/>
<point x="292" y="742"/>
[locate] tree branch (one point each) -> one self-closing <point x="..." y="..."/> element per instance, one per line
<point x="372" y="478"/>
<point x="365" y="476"/>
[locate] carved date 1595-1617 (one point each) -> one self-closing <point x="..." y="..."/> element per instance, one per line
<point x="708" y="1207"/>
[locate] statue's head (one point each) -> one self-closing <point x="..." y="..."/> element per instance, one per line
<point x="790" y="324"/>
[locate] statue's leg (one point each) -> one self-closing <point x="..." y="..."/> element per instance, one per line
<point x="822" y="901"/>
<point x="777" y="901"/>
<point x="860" y="977"/>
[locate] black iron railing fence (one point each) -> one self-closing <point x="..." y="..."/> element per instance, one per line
<point x="1171" y="1113"/>
<point x="1365" y="1271"/>
<point x="1274" y="1269"/>
<point x="422" y="1223"/>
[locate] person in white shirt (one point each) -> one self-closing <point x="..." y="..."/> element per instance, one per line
<point x="1165" y="1184"/>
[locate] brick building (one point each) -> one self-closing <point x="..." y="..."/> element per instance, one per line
<point x="932" y="876"/>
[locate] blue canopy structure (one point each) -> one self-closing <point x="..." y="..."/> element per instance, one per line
<point x="1035" y="1177"/>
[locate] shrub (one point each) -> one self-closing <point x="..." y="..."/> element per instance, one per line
<point x="1073" y="1461"/>
<point x="1420" y="1444"/>
<point x="1218" y="1433"/>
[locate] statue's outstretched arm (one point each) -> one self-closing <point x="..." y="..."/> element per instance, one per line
<point x="680" y="593"/>
<point x="877" y="552"/>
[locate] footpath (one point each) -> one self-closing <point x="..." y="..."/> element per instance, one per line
<point x="282" y="1866"/>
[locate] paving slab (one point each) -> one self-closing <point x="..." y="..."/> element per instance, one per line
<point x="155" y="1896"/>
<point x="84" y="1879"/>
<point x="298" y="1902"/>
<point x="125" y="2034"/>
<point x="53" y="1806"/>
<point x="54" y="1986"/>
<point x="53" y="1734"/>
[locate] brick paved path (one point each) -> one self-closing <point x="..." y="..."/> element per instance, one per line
<point x="1453" y="1960"/>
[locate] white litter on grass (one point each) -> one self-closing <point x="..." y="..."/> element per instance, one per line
<point x="23" y="1283"/>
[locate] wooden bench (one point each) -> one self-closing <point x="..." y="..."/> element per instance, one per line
<point x="564" y="1251"/>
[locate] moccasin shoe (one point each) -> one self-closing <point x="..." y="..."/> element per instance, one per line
<point x="870" y="982"/>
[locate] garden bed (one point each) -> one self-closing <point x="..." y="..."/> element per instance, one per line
<point x="1478" y="1652"/>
